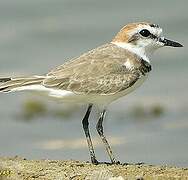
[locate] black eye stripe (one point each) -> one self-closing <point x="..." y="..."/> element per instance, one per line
<point x="153" y="36"/>
<point x="145" y="33"/>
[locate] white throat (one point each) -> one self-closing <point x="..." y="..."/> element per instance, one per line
<point x="140" y="51"/>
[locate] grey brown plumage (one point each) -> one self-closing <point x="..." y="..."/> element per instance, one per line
<point x="11" y="83"/>
<point x="101" y="71"/>
<point x="2" y="80"/>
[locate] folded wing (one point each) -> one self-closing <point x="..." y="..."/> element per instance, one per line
<point x="101" y="71"/>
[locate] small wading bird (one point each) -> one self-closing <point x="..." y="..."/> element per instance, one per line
<point x="99" y="76"/>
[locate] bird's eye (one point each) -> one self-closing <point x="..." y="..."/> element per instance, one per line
<point x="145" y="32"/>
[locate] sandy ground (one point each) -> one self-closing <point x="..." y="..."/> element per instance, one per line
<point x="19" y="168"/>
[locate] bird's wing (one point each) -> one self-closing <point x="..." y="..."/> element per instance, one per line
<point x="102" y="71"/>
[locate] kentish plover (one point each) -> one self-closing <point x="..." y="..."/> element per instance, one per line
<point x="99" y="76"/>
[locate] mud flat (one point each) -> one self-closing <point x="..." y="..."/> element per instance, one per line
<point x="17" y="168"/>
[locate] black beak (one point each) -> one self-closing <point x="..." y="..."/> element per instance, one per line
<point x="168" y="42"/>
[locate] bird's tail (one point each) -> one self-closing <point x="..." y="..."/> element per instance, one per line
<point x="19" y="83"/>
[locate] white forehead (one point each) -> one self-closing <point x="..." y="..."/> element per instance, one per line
<point x="157" y="31"/>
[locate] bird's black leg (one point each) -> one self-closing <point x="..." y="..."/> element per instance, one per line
<point x="85" y="124"/>
<point x="100" y="132"/>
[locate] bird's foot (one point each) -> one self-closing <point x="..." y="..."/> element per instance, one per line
<point x="116" y="162"/>
<point x="94" y="161"/>
<point x="136" y="164"/>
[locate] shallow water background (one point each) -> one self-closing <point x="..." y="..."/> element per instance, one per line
<point x="38" y="35"/>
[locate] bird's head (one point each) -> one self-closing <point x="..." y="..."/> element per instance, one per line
<point x="142" y="38"/>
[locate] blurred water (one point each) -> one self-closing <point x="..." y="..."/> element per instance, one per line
<point x="38" y="35"/>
